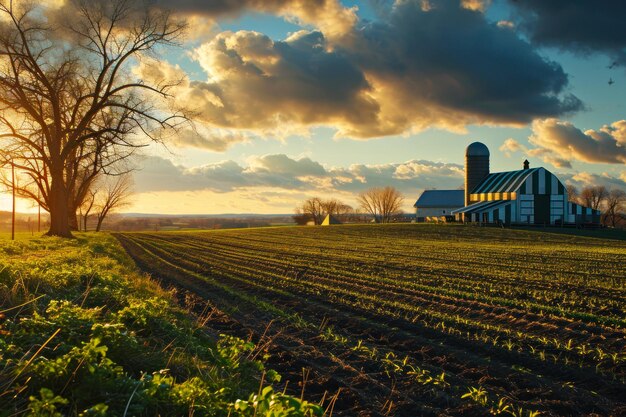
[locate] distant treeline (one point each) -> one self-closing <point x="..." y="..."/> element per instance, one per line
<point x="23" y="222"/>
<point x="176" y="223"/>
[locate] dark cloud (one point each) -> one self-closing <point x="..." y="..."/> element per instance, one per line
<point x="330" y="16"/>
<point x="444" y="66"/>
<point x="576" y="25"/>
<point x="449" y="63"/>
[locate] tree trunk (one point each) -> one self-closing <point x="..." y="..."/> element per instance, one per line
<point x="73" y="220"/>
<point x="85" y="222"/>
<point x="59" y="210"/>
<point x="99" y="225"/>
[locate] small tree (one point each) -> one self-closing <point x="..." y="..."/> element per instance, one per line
<point x="615" y="206"/>
<point x="382" y="203"/>
<point x="87" y="206"/>
<point x="316" y="209"/>
<point x="335" y="207"/>
<point x="114" y="196"/>
<point x="313" y="208"/>
<point x="572" y="193"/>
<point x="593" y="196"/>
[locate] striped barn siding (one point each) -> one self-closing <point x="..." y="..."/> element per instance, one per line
<point x="495" y="211"/>
<point x="508" y="185"/>
<point x="541" y="180"/>
<point x="581" y="214"/>
<point x="510" y="197"/>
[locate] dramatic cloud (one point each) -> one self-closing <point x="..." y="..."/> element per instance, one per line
<point x="401" y="74"/>
<point x="329" y="16"/>
<point x="271" y="87"/>
<point x="564" y="140"/>
<point x="511" y="146"/>
<point x="425" y="74"/>
<point x="303" y="175"/>
<point x="576" y="25"/>
<point x="585" y="179"/>
<point x="215" y="140"/>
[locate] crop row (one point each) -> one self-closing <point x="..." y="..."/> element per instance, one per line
<point x="392" y="281"/>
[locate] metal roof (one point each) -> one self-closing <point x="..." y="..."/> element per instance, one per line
<point x="503" y="182"/>
<point x="441" y="198"/>
<point x="481" y="206"/>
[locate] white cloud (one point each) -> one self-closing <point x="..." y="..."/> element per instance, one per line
<point x="584" y="179"/>
<point x="564" y="141"/>
<point x="303" y="174"/>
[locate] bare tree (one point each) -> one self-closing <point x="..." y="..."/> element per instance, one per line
<point x="615" y="206"/>
<point x="369" y="201"/>
<point x="87" y="206"/>
<point x="382" y="203"/>
<point x="114" y="195"/>
<point x="67" y="97"/>
<point x="335" y="207"/>
<point x="572" y="193"/>
<point x="316" y="209"/>
<point x="594" y="196"/>
<point x="312" y="209"/>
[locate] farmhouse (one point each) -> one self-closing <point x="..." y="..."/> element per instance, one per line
<point x="436" y="203"/>
<point x="526" y="196"/>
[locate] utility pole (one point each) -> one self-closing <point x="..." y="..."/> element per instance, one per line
<point x="13" y="213"/>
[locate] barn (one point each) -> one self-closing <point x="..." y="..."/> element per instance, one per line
<point x="532" y="196"/>
<point x="437" y="203"/>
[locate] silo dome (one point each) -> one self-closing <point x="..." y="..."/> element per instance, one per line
<point x="477" y="149"/>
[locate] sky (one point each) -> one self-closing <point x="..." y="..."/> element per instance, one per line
<point x="303" y="98"/>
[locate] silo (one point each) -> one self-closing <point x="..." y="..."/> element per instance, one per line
<point x="476" y="167"/>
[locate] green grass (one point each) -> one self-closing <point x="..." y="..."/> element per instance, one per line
<point x="6" y="236"/>
<point x="82" y="332"/>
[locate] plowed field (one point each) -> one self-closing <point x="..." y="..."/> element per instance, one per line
<point x="408" y="320"/>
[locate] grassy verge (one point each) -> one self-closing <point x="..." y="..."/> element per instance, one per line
<point x="83" y="333"/>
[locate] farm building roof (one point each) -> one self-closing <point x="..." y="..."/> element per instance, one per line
<point x="503" y="182"/>
<point x="481" y="206"/>
<point x="330" y="219"/>
<point x="441" y="198"/>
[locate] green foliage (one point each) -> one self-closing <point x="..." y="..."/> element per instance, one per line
<point x="270" y="404"/>
<point x="86" y="335"/>
<point x="46" y="404"/>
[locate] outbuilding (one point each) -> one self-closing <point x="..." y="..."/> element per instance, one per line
<point x="438" y="203"/>
<point x="331" y="219"/>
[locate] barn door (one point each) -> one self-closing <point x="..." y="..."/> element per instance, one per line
<point x="542" y="208"/>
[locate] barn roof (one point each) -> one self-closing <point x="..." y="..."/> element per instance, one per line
<point x="441" y="198"/>
<point x="481" y="206"/>
<point x="503" y="182"/>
